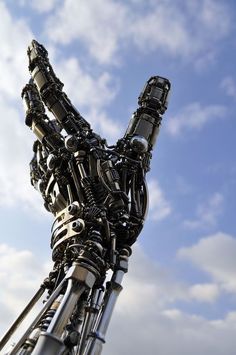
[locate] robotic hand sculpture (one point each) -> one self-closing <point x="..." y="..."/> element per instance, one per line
<point x="98" y="196"/>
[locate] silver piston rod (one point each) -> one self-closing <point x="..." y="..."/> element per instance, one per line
<point x="21" y="317"/>
<point x="97" y="337"/>
<point x="50" y="342"/>
<point x="91" y="316"/>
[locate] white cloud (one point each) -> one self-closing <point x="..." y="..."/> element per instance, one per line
<point x="194" y="117"/>
<point x="87" y="90"/>
<point x="16" y="140"/>
<point x="14" y="37"/>
<point x="172" y="313"/>
<point x="15" y="155"/>
<point x="169" y="332"/>
<point x="91" y="95"/>
<point x="215" y="255"/>
<point x="149" y="280"/>
<point x="41" y="6"/>
<point x="21" y="274"/>
<point x="159" y="207"/>
<point x="183" y="186"/>
<point x="172" y="26"/>
<point x="207" y="213"/>
<point x="99" y="24"/>
<point x="146" y="317"/>
<point x="228" y="85"/>
<point x="204" y="292"/>
<point x="155" y="282"/>
<point x="184" y="29"/>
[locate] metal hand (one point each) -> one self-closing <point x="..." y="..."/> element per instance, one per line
<point x="99" y="198"/>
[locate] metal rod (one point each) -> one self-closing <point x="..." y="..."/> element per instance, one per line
<point x="21" y="317"/>
<point x="91" y="316"/>
<point x="97" y="337"/>
<point x="63" y="313"/>
<point x="48" y="304"/>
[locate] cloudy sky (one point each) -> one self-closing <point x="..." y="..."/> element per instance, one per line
<point x="180" y="294"/>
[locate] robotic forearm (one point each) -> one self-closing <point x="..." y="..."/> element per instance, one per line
<point x="99" y="198"/>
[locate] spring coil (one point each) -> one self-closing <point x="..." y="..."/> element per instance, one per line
<point x="47" y="320"/>
<point x="88" y="192"/>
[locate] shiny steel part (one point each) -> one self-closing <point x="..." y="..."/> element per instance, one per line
<point x="78" y="279"/>
<point x="56" y="328"/>
<point x="21" y="317"/>
<point x="98" y="196"/>
<point x="91" y="316"/>
<point x="97" y="336"/>
<point x="32" y="326"/>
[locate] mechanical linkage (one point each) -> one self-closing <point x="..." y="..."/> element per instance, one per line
<point x="98" y="196"/>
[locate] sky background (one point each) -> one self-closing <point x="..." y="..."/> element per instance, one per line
<point x="179" y="296"/>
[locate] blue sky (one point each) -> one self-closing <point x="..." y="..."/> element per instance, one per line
<point x="180" y="293"/>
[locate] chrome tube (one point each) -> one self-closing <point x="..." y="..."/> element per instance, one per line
<point x="91" y="317"/>
<point x="65" y="309"/>
<point x="97" y="338"/>
<point x="21" y="317"/>
<point x="48" y="304"/>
